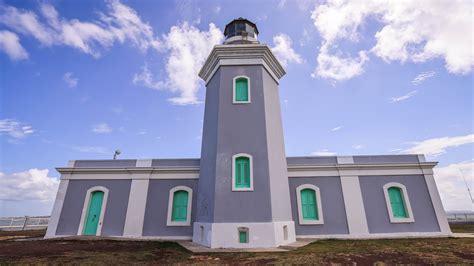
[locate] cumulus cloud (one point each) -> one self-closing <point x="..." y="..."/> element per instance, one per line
<point x="324" y="152"/>
<point x="337" y="128"/>
<point x="452" y="185"/>
<point x="438" y="146"/>
<point x="70" y="80"/>
<point x="409" y="31"/>
<point x="420" y="78"/>
<point x="15" y="129"/>
<point x="187" y="48"/>
<point x="119" y="23"/>
<point x="102" y="128"/>
<point x="10" y="44"/>
<point x="403" y="97"/>
<point x="34" y="184"/>
<point x="283" y="50"/>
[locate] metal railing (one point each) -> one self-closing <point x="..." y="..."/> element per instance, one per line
<point x="24" y="223"/>
<point x="460" y="217"/>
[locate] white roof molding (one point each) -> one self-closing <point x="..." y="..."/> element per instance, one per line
<point x="241" y="54"/>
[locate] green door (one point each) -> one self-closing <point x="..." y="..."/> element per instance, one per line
<point x="93" y="213"/>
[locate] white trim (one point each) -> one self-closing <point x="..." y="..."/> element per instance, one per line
<point x="354" y="205"/>
<point x="234" y="188"/>
<point x="318" y="204"/>
<point x="234" y="101"/>
<point x="85" y="209"/>
<point x="143" y="163"/>
<point x="437" y="204"/>
<point x="57" y="209"/>
<point x="136" y="208"/>
<point x="345" y="160"/>
<point x="378" y="235"/>
<point x="169" y="222"/>
<point x="261" y="235"/>
<point x="239" y="55"/>
<point x="406" y="202"/>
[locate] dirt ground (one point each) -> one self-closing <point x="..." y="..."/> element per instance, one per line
<point x="400" y="251"/>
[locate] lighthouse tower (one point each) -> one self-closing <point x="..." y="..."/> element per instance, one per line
<point x="243" y="197"/>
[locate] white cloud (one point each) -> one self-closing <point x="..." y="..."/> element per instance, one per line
<point x="217" y="9"/>
<point x="420" y="78"/>
<point x="187" y="48"/>
<point x="358" y="146"/>
<point x="15" y="129"/>
<point x="119" y="23"/>
<point x="452" y="187"/>
<point x="438" y="146"/>
<point x="34" y="184"/>
<point x="10" y="44"/>
<point x="283" y="50"/>
<point x="102" y="128"/>
<point x="337" y="128"/>
<point x="338" y="67"/>
<point x="404" y="97"/>
<point x="70" y="80"/>
<point x="324" y="152"/>
<point x="409" y="31"/>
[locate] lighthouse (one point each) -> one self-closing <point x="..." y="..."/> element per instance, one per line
<point x="242" y="198"/>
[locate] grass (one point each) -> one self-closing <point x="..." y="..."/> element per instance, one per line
<point x="395" y="251"/>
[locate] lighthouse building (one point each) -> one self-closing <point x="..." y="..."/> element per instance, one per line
<point x="244" y="192"/>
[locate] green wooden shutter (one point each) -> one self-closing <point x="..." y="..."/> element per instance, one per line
<point x="396" y="201"/>
<point x="309" y="204"/>
<point x="242" y="172"/>
<point x="241" y="90"/>
<point x="243" y="236"/>
<point x="180" y="206"/>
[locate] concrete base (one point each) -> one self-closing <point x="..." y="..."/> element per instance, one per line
<point x="260" y="235"/>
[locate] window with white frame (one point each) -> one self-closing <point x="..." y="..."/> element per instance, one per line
<point x="241" y="90"/>
<point x="179" y="206"/>
<point x="242" y="172"/>
<point x="308" y="198"/>
<point x="398" y="203"/>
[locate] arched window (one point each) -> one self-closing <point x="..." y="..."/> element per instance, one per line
<point x="309" y="204"/>
<point x="242" y="176"/>
<point x="179" y="206"/>
<point x="241" y="89"/>
<point x="398" y="203"/>
<point x="93" y="211"/>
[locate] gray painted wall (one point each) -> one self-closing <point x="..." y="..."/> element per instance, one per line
<point x="332" y="203"/>
<point x="241" y="128"/>
<point x="115" y="213"/>
<point x="311" y="160"/>
<point x="105" y="163"/>
<point x="374" y="159"/>
<point x="157" y="208"/>
<point x="376" y="208"/>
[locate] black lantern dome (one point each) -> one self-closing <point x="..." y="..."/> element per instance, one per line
<point x="240" y="31"/>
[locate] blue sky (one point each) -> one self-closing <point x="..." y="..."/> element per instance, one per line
<point x="80" y="79"/>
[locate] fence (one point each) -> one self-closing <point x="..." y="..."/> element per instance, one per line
<point x="24" y="223"/>
<point x="460" y="217"/>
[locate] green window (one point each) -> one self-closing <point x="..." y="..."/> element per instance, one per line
<point x="242" y="172"/>
<point x="243" y="236"/>
<point x="309" y="204"/>
<point x="180" y="206"/>
<point x="396" y="201"/>
<point x="241" y="90"/>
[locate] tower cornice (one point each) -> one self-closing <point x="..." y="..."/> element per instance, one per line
<point x="241" y="54"/>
